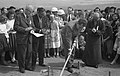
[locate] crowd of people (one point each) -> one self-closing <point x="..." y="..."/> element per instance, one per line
<point x="96" y="33"/>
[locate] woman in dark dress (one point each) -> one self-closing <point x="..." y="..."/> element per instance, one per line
<point x="3" y="39"/>
<point x="92" y="53"/>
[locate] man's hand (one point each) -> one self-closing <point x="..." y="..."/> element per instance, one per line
<point x="94" y="30"/>
<point x="82" y="47"/>
<point x="116" y="34"/>
<point x="28" y="28"/>
<point x="32" y="31"/>
<point x="69" y="52"/>
<point x="83" y="29"/>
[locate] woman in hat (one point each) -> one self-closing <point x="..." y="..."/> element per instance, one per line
<point x="61" y="15"/>
<point x="55" y="36"/>
<point x="55" y="24"/>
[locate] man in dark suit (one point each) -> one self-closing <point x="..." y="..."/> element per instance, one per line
<point x="41" y="24"/>
<point x="24" y="25"/>
<point x="68" y="17"/>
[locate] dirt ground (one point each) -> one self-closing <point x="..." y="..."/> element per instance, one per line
<point x="56" y="65"/>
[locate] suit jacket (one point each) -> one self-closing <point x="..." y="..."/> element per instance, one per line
<point x="40" y="25"/>
<point x="43" y="24"/>
<point x="66" y="17"/>
<point x="21" y="23"/>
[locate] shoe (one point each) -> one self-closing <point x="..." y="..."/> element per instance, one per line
<point x="96" y="66"/>
<point x="47" y="56"/>
<point x="4" y="63"/>
<point x="22" y="70"/>
<point x="82" y="64"/>
<point x="42" y="65"/>
<point x="56" y="56"/>
<point x="14" y="62"/>
<point x="70" y="70"/>
<point x="30" y="69"/>
<point x="33" y="68"/>
<point x="74" y="66"/>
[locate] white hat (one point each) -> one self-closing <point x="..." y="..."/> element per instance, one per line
<point x="54" y="9"/>
<point x="61" y="12"/>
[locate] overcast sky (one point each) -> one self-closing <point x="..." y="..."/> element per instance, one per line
<point x="50" y="3"/>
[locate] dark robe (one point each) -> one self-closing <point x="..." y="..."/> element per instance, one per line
<point x="92" y="53"/>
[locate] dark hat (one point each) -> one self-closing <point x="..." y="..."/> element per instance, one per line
<point x="48" y="11"/>
<point x="12" y="7"/>
<point x="113" y="7"/>
<point x="2" y="9"/>
<point x="40" y="9"/>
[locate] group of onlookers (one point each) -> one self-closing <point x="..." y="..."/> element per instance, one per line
<point x="7" y="38"/>
<point x="97" y="33"/>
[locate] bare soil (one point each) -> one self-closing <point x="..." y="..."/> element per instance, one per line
<point x="56" y="65"/>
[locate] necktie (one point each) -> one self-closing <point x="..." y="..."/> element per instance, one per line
<point x="40" y="22"/>
<point x="69" y="18"/>
<point x="27" y="18"/>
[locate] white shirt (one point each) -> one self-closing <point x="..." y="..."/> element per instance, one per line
<point x="10" y="24"/>
<point x="3" y="28"/>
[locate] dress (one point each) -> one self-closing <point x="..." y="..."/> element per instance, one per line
<point x="12" y="34"/>
<point x="47" y="39"/>
<point x="55" y="35"/>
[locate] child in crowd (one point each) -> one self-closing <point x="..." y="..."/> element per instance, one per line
<point x="82" y="43"/>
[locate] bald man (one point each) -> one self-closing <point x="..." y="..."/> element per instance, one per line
<point x="23" y="26"/>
